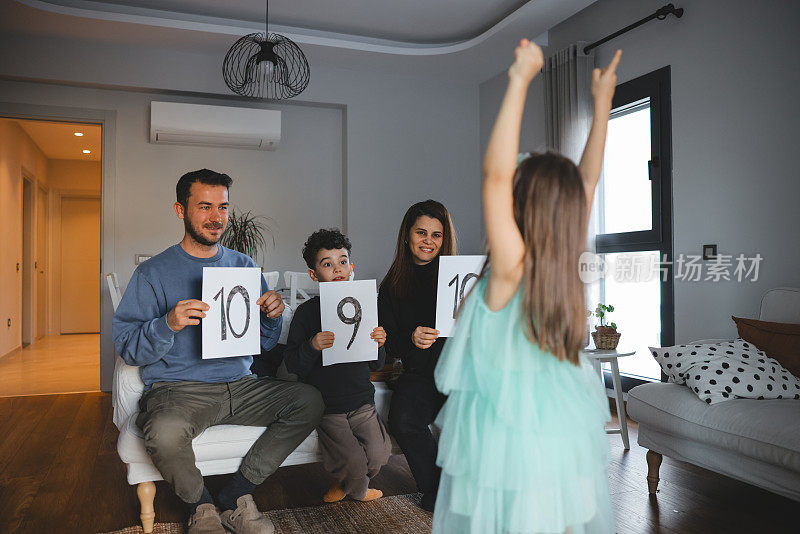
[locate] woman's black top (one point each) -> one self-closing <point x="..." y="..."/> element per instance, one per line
<point x="400" y="316"/>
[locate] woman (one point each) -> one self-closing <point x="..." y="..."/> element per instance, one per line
<point x="407" y="310"/>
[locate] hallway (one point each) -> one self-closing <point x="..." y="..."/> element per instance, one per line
<point x="53" y="364"/>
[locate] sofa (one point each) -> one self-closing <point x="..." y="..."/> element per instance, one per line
<point x="755" y="441"/>
<point x="218" y="450"/>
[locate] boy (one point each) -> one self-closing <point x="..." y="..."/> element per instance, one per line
<point x="354" y="441"/>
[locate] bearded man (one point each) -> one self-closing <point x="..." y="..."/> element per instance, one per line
<point x="157" y="327"/>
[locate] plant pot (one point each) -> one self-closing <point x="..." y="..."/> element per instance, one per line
<point x="606" y="338"/>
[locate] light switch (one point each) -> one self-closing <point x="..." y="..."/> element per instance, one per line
<point x="141" y="258"/>
<point x="709" y="252"/>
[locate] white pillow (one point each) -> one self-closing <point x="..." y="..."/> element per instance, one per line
<point x="723" y="371"/>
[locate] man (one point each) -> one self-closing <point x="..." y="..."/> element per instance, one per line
<point x="157" y="327"/>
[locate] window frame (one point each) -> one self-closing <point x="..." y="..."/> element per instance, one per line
<point x="655" y="86"/>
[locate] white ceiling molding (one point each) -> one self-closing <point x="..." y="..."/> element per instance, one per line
<point x="184" y="21"/>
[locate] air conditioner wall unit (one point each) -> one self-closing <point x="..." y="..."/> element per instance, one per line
<point x="222" y="126"/>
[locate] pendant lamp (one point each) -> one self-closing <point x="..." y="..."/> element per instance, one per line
<point x="266" y="65"/>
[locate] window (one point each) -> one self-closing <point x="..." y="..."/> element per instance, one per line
<point x="635" y="222"/>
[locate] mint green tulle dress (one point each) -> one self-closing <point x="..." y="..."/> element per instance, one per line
<point x="523" y="447"/>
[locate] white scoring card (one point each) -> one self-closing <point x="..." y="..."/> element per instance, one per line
<point x="232" y="326"/>
<point x="457" y="275"/>
<point x="350" y="311"/>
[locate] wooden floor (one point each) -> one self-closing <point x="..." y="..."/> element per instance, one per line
<point x="60" y="473"/>
<point x="53" y="364"/>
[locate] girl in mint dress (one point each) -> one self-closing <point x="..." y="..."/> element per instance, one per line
<point x="523" y="448"/>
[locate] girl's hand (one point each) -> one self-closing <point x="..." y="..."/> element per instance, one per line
<point x="423" y="337"/>
<point x="379" y="335"/>
<point x="604" y="81"/>
<point x="323" y="340"/>
<point x="528" y="60"/>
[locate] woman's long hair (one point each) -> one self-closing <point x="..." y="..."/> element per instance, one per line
<point x="551" y="213"/>
<point x="398" y="279"/>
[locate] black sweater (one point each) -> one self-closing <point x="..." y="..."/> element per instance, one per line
<point x="344" y="386"/>
<point x="401" y="316"/>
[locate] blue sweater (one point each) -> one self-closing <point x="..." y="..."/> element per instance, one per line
<point x="141" y="333"/>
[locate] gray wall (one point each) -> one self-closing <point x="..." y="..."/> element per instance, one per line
<point x="734" y="119"/>
<point x="403" y="140"/>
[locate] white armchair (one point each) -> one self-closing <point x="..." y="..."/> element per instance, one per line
<point x="218" y="450"/>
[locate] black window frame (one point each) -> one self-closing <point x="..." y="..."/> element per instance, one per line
<point x="655" y="86"/>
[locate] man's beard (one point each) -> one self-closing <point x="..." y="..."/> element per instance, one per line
<point x="194" y="234"/>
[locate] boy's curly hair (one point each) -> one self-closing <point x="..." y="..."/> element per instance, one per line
<point x="324" y="238"/>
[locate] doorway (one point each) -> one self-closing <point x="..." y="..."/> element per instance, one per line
<point x="42" y="260"/>
<point x="59" y="243"/>
<point x="80" y="265"/>
<point x="27" y="258"/>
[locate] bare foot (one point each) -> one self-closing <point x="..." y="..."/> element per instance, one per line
<point x="371" y="495"/>
<point x="335" y="494"/>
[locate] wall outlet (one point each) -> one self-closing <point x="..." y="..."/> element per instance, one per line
<point x="141" y="258"/>
<point x="9" y="322"/>
<point x="709" y="252"/>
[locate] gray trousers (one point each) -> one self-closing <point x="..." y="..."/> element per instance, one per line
<point x="174" y="413"/>
<point x="354" y="445"/>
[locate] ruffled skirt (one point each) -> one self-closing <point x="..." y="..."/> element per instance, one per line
<point x="523" y="447"/>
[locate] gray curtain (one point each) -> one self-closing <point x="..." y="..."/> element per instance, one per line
<point x="568" y="118"/>
<point x="568" y="100"/>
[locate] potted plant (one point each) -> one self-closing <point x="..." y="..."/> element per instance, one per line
<point x="247" y="233"/>
<point x="605" y="335"/>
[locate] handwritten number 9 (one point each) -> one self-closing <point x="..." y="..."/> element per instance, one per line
<point x="225" y="312"/>
<point x="458" y="296"/>
<point x="354" y="320"/>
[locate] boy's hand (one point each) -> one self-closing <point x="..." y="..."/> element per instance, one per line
<point x="604" y="81"/>
<point x="379" y="335"/>
<point x="323" y="340"/>
<point x="423" y="337"/>
<point x="186" y="313"/>
<point x="528" y="60"/>
<point x="271" y="304"/>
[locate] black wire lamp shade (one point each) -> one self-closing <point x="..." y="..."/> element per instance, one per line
<point x="266" y="65"/>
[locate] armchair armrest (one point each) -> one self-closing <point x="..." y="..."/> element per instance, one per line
<point x="125" y="392"/>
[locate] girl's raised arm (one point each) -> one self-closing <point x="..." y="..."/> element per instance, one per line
<point x="604" y="81"/>
<point x="499" y="166"/>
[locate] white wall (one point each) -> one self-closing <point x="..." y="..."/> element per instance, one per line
<point x="734" y="120"/>
<point x="403" y="140"/>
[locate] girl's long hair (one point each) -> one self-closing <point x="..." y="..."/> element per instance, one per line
<point x="551" y="213"/>
<point x="398" y="279"/>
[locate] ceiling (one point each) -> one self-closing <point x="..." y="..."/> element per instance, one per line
<point x="455" y="39"/>
<point x="411" y="21"/>
<point x="58" y="140"/>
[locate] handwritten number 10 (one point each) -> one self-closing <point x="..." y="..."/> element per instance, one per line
<point x="354" y="320"/>
<point x="458" y="296"/>
<point x="225" y="313"/>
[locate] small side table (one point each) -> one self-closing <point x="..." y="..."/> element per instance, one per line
<point x="598" y="357"/>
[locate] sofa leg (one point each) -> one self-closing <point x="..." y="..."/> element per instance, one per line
<point x="146" y="491"/>
<point x="653" y="464"/>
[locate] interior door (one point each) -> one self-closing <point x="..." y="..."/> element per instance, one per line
<point x="80" y="265"/>
<point x="42" y="218"/>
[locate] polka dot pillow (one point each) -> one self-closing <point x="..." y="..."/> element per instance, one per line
<point x="723" y="371"/>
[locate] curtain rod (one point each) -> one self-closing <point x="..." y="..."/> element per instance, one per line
<point x="660" y="14"/>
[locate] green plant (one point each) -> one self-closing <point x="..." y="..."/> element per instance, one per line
<point x="247" y="233"/>
<point x="601" y="311"/>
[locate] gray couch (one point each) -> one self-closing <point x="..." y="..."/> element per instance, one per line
<point x="755" y="441"/>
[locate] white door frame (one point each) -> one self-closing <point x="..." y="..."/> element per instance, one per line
<point x="107" y="120"/>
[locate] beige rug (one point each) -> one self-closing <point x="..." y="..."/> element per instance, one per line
<point x="388" y="515"/>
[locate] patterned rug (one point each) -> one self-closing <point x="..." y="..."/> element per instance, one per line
<point x="388" y="515"/>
